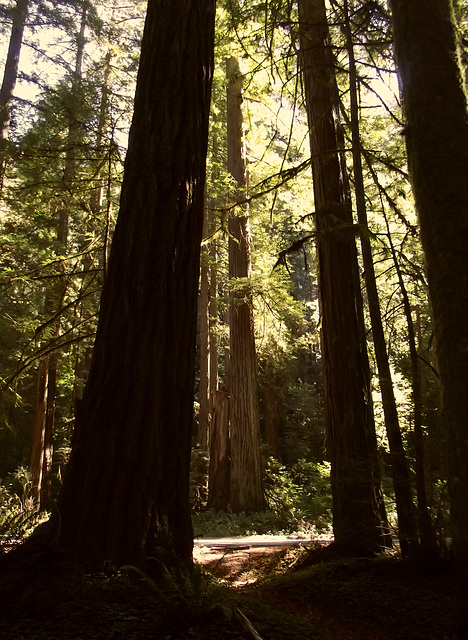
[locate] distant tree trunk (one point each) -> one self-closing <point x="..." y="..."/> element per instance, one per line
<point x="213" y="293"/>
<point x="428" y="540"/>
<point x="436" y="132"/>
<point x="407" y="531"/>
<point x="204" y="416"/>
<point x="358" y="521"/>
<point x="10" y="76"/>
<point x="126" y="491"/>
<point x="36" y="458"/>
<point x="213" y="319"/>
<point x="246" y="473"/>
<point x="220" y="454"/>
<point x="45" y="499"/>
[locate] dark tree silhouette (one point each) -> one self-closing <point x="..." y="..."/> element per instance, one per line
<point x="125" y="493"/>
<point x="435" y="108"/>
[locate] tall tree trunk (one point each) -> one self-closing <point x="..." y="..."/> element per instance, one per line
<point x="126" y="492"/>
<point x="204" y="315"/>
<point x="10" y="73"/>
<point x="213" y="310"/>
<point x="436" y="132"/>
<point x="407" y="531"/>
<point x="357" y="500"/>
<point x="246" y="472"/>
<point x="36" y="457"/>
<point x="10" y="76"/>
<point x="45" y="499"/>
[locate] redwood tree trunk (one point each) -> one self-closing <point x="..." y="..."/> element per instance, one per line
<point x="36" y="457"/>
<point x="204" y="416"/>
<point x="435" y="108"/>
<point x="356" y="493"/>
<point x="126" y="492"/>
<point x="246" y="473"/>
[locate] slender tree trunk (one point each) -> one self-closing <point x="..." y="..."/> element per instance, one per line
<point x="10" y="76"/>
<point x="45" y="500"/>
<point x="126" y="492"/>
<point x="246" y="473"/>
<point x="214" y="375"/>
<point x="213" y="293"/>
<point x="407" y="531"/>
<point x="36" y="458"/>
<point x="10" y="73"/>
<point x="357" y="500"/>
<point x="428" y="540"/>
<point x="204" y="314"/>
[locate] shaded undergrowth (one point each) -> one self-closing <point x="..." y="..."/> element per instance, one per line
<point x="296" y="595"/>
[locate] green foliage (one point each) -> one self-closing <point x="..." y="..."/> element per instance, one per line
<point x="298" y="498"/>
<point x="220" y="524"/>
<point x="57" y="198"/>
<point x="18" y="515"/>
<point x="300" y="494"/>
<point x="18" y="485"/>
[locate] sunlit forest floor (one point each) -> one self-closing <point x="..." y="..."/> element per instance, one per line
<point x="278" y="594"/>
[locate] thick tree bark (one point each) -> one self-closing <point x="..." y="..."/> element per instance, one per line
<point x="407" y="531"/>
<point x="358" y="521"/>
<point x="246" y="473"/>
<point x="436" y="132"/>
<point x="126" y="492"/>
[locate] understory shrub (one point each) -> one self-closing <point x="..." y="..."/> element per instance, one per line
<point x="18" y="514"/>
<point x="298" y="499"/>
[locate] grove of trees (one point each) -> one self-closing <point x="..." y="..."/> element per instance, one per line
<point x="245" y="236"/>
